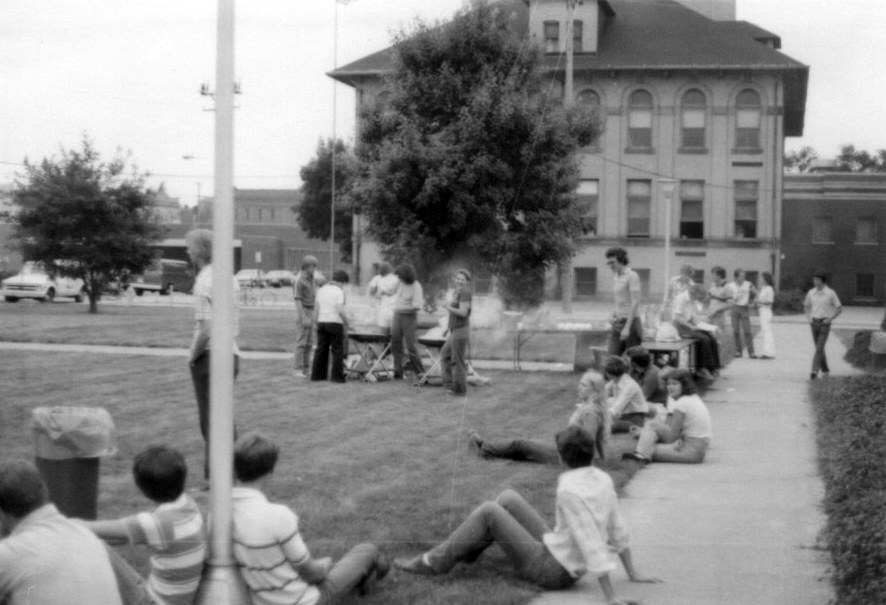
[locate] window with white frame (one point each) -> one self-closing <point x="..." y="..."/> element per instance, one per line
<point x="691" y="209"/>
<point x="823" y="230"/>
<point x="693" y="109"/>
<point x="639" y="207"/>
<point x="552" y="36"/>
<point x="748" y="117"/>
<point x="588" y="194"/>
<point x="640" y="120"/>
<point x="866" y="230"/>
<point x="747" y="194"/>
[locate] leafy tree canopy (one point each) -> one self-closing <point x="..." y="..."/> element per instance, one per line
<point x="85" y="218"/>
<point x="313" y="212"/>
<point x="800" y="161"/>
<point x="849" y="159"/>
<point x="472" y="160"/>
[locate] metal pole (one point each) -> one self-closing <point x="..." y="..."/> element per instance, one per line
<point x="222" y="583"/>
<point x="568" y="101"/>
<point x="667" y="190"/>
<point x="334" y="104"/>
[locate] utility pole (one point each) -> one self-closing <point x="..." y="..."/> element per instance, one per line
<point x="566" y="284"/>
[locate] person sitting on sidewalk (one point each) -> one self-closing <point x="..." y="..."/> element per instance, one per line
<point x="647" y="375"/>
<point x="268" y="547"/>
<point x="173" y="532"/>
<point x="686" y="434"/>
<point x="624" y="396"/>
<point x="590" y="414"/>
<point x="588" y="526"/>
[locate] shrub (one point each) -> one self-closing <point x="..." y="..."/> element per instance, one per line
<point x="851" y="421"/>
<point x="788" y="301"/>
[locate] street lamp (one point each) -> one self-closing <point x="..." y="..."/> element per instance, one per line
<point x="667" y="187"/>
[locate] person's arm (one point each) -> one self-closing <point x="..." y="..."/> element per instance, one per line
<point x="634" y="576"/>
<point x="200" y="340"/>
<point x="418" y="296"/>
<point x="634" y="295"/>
<point x="675" y="424"/>
<point x="620" y="401"/>
<point x="837" y="311"/>
<point x="112" y="531"/>
<point x="807" y="306"/>
<point x="461" y="308"/>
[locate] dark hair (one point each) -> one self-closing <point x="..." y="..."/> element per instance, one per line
<point x="619" y="254"/>
<point x="684" y="377"/>
<point x="767" y="277"/>
<point x="719" y="271"/>
<point x="340" y="276"/>
<point x="406" y="273"/>
<point x="822" y="275"/>
<point x="465" y="273"/>
<point x="22" y="489"/>
<point x="254" y="456"/>
<point x="160" y="473"/>
<point x="639" y="356"/>
<point x="384" y="268"/>
<point x="576" y="447"/>
<point x="737" y="272"/>
<point x="615" y="366"/>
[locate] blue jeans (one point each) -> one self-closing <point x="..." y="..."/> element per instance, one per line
<point x="517" y="528"/>
<point x="617" y="346"/>
<point x="347" y="573"/>
<point x="403" y="330"/>
<point x="741" y="322"/>
<point x="521" y="450"/>
<point x="453" y="357"/>
<point x="304" y="327"/>
<point x="820" y="333"/>
<point x="200" y="378"/>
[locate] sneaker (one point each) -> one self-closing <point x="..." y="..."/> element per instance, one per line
<point x="766" y="357"/>
<point x="636" y="457"/>
<point x="752" y="356"/>
<point x="299" y="375"/>
<point x="475" y="443"/>
<point x="813" y="376"/>
<point x="414" y="565"/>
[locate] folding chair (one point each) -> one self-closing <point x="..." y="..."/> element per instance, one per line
<point x="432" y="345"/>
<point x="372" y="348"/>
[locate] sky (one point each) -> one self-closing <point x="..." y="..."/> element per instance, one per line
<point x="128" y="75"/>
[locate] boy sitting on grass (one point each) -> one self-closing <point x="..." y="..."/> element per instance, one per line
<point x="268" y="546"/>
<point x="173" y="532"/>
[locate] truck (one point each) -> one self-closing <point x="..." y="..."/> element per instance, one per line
<point x="164" y="276"/>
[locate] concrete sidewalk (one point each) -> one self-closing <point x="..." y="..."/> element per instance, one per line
<point x="740" y="528"/>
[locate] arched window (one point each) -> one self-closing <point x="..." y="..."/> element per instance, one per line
<point x="748" y="113"/>
<point x="588" y="97"/>
<point x="692" y="112"/>
<point x="640" y="120"/>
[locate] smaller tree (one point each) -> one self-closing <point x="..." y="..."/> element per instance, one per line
<point x="855" y="160"/>
<point x="800" y="161"/>
<point x="313" y="212"/>
<point x="84" y="218"/>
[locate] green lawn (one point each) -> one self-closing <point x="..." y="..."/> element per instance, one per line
<point x="379" y="462"/>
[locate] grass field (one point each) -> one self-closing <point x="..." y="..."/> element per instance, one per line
<point x="379" y="462"/>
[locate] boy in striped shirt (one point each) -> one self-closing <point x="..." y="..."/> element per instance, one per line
<point x="174" y="533"/>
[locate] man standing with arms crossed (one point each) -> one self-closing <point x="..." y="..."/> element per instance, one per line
<point x="627" y="329"/>
<point x="304" y="294"/>
<point x="822" y="307"/>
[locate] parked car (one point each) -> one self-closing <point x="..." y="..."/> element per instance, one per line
<point x="33" y="282"/>
<point x="254" y="278"/>
<point x="164" y="276"/>
<point x="280" y="278"/>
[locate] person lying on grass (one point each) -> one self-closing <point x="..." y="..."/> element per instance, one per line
<point x="587" y="524"/>
<point x="686" y="434"/>
<point x="590" y="414"/>
<point x="268" y="547"/>
<point x="174" y="533"/>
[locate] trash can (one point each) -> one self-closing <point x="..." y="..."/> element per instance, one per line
<point x="68" y="444"/>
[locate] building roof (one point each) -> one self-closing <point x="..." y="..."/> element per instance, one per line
<point x="656" y="35"/>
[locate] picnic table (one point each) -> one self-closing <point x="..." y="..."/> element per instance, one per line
<point x="586" y="336"/>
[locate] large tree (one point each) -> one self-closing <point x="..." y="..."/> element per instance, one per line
<point x="86" y="218"/>
<point x="472" y="159"/>
<point x="856" y="160"/>
<point x="313" y="211"/>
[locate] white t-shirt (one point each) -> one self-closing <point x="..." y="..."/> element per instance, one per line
<point x="697" y="421"/>
<point x="329" y="297"/>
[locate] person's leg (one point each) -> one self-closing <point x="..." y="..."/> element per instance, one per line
<point x="524" y="513"/>
<point x="320" y="368"/>
<point x="459" y="361"/>
<point x="687" y="451"/>
<point x="131" y="585"/>
<point x="490" y="522"/>
<point x="736" y="330"/>
<point x="615" y="344"/>
<point x="446" y="364"/>
<point x="520" y="450"/>
<point x="409" y="324"/>
<point x="301" y="338"/>
<point x="635" y="337"/>
<point x="397" y="344"/>
<point x="821" y="339"/>
<point x="651" y="434"/>
<point x="337" y="345"/>
<point x="623" y="423"/>
<point x="766" y="329"/>
<point x="347" y="573"/>
<point x="746" y="328"/>
<point x="200" y="378"/>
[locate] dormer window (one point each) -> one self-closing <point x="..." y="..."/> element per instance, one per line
<point x="552" y="36"/>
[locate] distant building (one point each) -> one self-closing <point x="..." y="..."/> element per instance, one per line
<point x="836" y="221"/>
<point x="685" y="92"/>
<point x="167" y="209"/>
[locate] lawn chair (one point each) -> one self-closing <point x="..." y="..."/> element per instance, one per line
<point x="432" y="343"/>
<point x="372" y="349"/>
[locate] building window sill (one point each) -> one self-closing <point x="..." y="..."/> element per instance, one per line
<point x="693" y="150"/>
<point x="747" y="151"/>
<point x="640" y="150"/>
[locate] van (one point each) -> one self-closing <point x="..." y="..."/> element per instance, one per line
<point x="165" y="276"/>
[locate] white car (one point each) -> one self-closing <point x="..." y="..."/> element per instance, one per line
<point x="33" y="282"/>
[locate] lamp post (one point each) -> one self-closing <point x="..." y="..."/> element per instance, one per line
<point x="667" y="187"/>
<point x="222" y="583"/>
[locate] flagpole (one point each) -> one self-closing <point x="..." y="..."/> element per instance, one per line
<point x="334" y="107"/>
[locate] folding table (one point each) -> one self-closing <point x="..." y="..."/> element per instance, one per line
<point x="372" y="348"/>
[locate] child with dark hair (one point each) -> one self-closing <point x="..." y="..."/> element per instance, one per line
<point x="274" y="560"/>
<point x="173" y="532"/>
<point x="624" y="396"/>
<point x="587" y="524"/>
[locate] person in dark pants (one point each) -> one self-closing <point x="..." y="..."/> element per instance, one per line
<point x="199" y="243"/>
<point x="454" y="352"/>
<point x="627" y="329"/>
<point x="331" y="327"/>
<point x="409" y="300"/>
<point x="742" y="292"/>
<point x="821" y="307"/>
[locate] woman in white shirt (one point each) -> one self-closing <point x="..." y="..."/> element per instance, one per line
<point x="686" y="435"/>
<point x="764" y="305"/>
